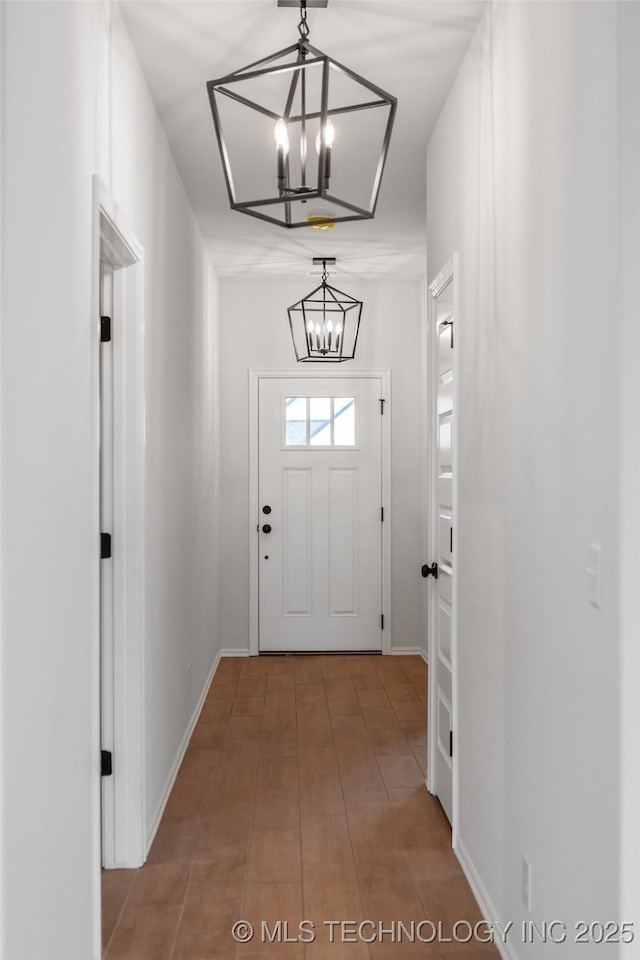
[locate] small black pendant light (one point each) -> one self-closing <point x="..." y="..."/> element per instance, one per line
<point x="303" y="139"/>
<point x="325" y="324"/>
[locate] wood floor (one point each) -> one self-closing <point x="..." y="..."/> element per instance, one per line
<point x="301" y="797"/>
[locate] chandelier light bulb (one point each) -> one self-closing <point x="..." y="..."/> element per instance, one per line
<point x="329" y="332"/>
<point x="310" y="326"/>
<point x="281" y="135"/>
<point x="338" y="329"/>
<point x="328" y="134"/>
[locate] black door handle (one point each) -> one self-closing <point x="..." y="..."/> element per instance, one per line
<point x="266" y="528"/>
<point x="266" y="508"/>
<point x="430" y="571"/>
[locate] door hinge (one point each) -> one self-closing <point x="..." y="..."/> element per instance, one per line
<point x="430" y="571"/>
<point x="382" y="621"/>
<point x="450" y="743"/>
<point x="382" y="403"/>
<point x="106" y="763"/>
<point x="105" y="329"/>
<point x="105" y="546"/>
<point x="450" y="539"/>
<point x="381" y="514"/>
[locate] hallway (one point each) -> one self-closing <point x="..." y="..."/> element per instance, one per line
<point x="301" y="796"/>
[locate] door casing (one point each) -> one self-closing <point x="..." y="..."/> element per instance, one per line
<point x="254" y="516"/>
<point x="122" y="665"/>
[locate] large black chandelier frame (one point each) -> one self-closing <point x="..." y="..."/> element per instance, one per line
<point x="291" y="189"/>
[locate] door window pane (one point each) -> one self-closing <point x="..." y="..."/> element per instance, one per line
<point x="320" y="421"/>
<point x="344" y="422"/>
<point x="296" y="419"/>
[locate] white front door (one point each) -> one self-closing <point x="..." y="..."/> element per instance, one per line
<point x="320" y="514"/>
<point x="442" y="527"/>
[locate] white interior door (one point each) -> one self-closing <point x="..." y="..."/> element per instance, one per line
<point x="320" y="514"/>
<point x="442" y="527"/>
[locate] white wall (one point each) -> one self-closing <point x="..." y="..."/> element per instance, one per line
<point x="180" y="295"/>
<point x="522" y="182"/>
<point x="74" y="103"/>
<point x="254" y="335"/>
<point x="629" y="200"/>
<point x="48" y="542"/>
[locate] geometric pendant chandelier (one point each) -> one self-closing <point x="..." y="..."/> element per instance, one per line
<point x="324" y="325"/>
<point x="303" y="139"/>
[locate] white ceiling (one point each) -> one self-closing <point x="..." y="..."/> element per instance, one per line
<point x="412" y="48"/>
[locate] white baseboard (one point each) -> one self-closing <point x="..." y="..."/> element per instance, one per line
<point x="506" y="950"/>
<point x="409" y="652"/>
<point x="231" y="652"/>
<point x="180" y="756"/>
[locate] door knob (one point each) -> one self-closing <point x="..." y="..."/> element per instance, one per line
<point x="266" y="508"/>
<point x="430" y="571"/>
<point x="266" y="528"/>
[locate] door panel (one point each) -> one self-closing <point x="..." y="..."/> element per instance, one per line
<point x="444" y="443"/>
<point x="445" y="725"/>
<point x="442" y="521"/>
<point x="445" y="538"/>
<point x="444" y="492"/>
<point x="296" y="542"/>
<point x="444" y="631"/>
<point x="320" y="470"/>
<point x="344" y="521"/>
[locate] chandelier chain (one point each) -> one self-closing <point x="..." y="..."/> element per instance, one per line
<point x="303" y="27"/>
<point x="325" y="275"/>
